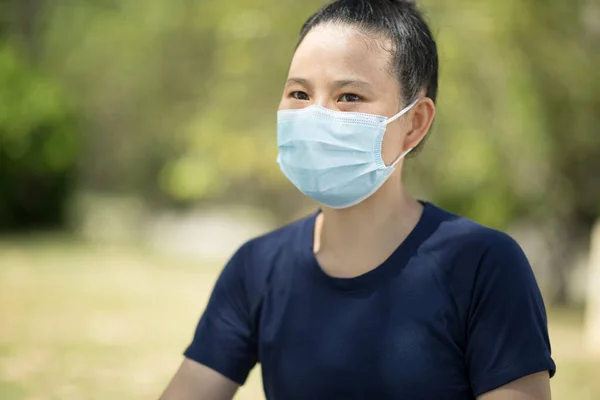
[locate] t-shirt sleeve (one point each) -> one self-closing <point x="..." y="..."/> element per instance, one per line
<point x="225" y="339"/>
<point x="507" y="332"/>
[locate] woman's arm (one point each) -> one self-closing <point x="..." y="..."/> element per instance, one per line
<point x="223" y="350"/>
<point x="194" y="381"/>
<point x="508" y="349"/>
<point x="531" y="387"/>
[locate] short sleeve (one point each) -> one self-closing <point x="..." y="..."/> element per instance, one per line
<point x="225" y="340"/>
<point x="507" y="332"/>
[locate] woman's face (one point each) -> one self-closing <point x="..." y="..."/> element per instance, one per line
<point x="339" y="68"/>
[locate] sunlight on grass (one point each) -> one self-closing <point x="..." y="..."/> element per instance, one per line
<point x="80" y="322"/>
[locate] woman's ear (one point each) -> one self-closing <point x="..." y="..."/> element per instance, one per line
<point x="420" y="119"/>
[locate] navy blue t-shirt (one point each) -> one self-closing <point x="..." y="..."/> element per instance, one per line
<point x="453" y="313"/>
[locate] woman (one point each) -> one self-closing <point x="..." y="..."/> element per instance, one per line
<point x="377" y="295"/>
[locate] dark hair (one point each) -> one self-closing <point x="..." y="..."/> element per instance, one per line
<point x="414" y="55"/>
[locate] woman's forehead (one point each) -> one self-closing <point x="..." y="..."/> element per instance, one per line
<point x="330" y="51"/>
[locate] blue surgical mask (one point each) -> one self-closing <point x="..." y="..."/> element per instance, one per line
<point x="334" y="157"/>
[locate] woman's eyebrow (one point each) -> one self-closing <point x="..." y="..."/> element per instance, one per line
<point x="356" y="83"/>
<point x="299" y="81"/>
<point x="337" y="84"/>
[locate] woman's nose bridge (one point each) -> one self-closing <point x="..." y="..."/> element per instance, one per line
<point x="324" y="99"/>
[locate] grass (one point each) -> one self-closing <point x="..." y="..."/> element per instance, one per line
<point x="82" y="322"/>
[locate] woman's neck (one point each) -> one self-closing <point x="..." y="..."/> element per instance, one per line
<point x="352" y="241"/>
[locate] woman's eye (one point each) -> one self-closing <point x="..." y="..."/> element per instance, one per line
<point x="349" y="98"/>
<point x="299" y="95"/>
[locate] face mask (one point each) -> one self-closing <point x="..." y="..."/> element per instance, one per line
<point x="334" y="157"/>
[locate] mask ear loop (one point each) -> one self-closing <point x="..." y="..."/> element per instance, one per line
<point x="401" y="157"/>
<point x="395" y="117"/>
<point x="401" y="113"/>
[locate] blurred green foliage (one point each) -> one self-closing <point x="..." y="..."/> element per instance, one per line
<point x="176" y="103"/>
<point x="38" y="145"/>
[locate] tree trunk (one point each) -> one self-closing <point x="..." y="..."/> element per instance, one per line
<point x="593" y="296"/>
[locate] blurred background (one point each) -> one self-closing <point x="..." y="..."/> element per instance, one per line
<point x="137" y="152"/>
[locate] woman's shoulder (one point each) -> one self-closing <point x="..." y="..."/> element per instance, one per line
<point x="260" y="253"/>
<point x="461" y="232"/>
<point x="459" y="242"/>
<point x="285" y="237"/>
<point x="479" y="263"/>
<point x="253" y="265"/>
